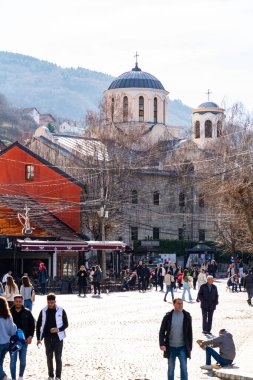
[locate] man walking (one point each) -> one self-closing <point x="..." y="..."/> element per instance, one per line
<point x="226" y="347"/>
<point x="248" y="285"/>
<point x="24" y="320"/>
<point x="51" y="326"/>
<point x="175" y="338"/>
<point x="208" y="296"/>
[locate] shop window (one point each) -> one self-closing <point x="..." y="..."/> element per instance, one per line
<point x="134" y="233"/>
<point x="155" y="110"/>
<point x="197" y="129"/>
<point x="156" y="198"/>
<point x="208" y="129"/>
<point x="125" y="108"/>
<point x="29" y="172"/>
<point x="202" y="235"/>
<point x="141" y="108"/>
<point x="67" y="266"/>
<point x="134" y="197"/>
<point x="156" y="233"/>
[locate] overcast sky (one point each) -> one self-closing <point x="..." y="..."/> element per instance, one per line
<point x="189" y="45"/>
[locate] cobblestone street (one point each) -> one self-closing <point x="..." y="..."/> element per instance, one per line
<point x="115" y="337"/>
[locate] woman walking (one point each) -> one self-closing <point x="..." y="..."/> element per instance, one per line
<point x="169" y="281"/>
<point x="97" y="279"/>
<point x="26" y="290"/>
<point x="186" y="285"/>
<point x="82" y="276"/>
<point x="7" y="328"/>
<point x="11" y="289"/>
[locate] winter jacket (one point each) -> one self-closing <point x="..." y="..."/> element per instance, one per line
<point x="164" y="332"/>
<point x="168" y="279"/>
<point x="27" y="321"/>
<point x="208" y="299"/>
<point x="225" y="343"/>
<point x="201" y="279"/>
<point x="10" y="293"/>
<point x="7" y="328"/>
<point x="43" y="276"/>
<point x="82" y="276"/>
<point x="248" y="281"/>
<point x="97" y="276"/>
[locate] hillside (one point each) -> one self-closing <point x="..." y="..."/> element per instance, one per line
<point x="64" y="92"/>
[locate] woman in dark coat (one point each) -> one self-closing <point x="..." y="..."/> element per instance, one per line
<point x="82" y="277"/>
<point x="97" y="279"/>
<point x="43" y="277"/>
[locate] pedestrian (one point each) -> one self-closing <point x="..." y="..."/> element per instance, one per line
<point x="147" y="275"/>
<point x="231" y="270"/>
<point x="194" y="275"/>
<point x="7" y="328"/>
<point x="201" y="279"/>
<point x="187" y="285"/>
<point x="24" y="320"/>
<point x="11" y="289"/>
<point x="27" y="292"/>
<point x="51" y="326"/>
<point x="175" y="338"/>
<point x="156" y="275"/>
<point x="43" y="277"/>
<point x="240" y="268"/>
<point x="226" y="353"/>
<point x="179" y="277"/>
<point x="208" y="296"/>
<point x="97" y="279"/>
<point x="161" y="274"/>
<point x="4" y="280"/>
<point x="248" y="285"/>
<point x="141" y="277"/>
<point x="1" y="289"/>
<point x="169" y="280"/>
<point x="82" y="277"/>
<point x="92" y="271"/>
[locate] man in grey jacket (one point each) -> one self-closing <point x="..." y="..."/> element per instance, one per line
<point x="227" y="349"/>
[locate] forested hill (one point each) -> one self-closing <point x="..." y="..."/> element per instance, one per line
<point x="64" y="92"/>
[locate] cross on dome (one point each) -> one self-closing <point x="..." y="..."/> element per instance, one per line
<point x="208" y="94"/>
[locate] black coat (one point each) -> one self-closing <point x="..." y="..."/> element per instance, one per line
<point x="165" y="332"/>
<point x="248" y="281"/>
<point x="27" y="320"/>
<point x="208" y="299"/>
<point x="82" y="276"/>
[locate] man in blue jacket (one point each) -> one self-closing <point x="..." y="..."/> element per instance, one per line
<point x="208" y="296"/>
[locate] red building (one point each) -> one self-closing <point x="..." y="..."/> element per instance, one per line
<point x="54" y="202"/>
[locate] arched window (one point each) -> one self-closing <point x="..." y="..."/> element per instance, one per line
<point x="182" y="199"/>
<point x="134" y="197"/>
<point x="219" y="128"/>
<point x="125" y="108"/>
<point x="155" y="110"/>
<point x="156" y="198"/>
<point x="197" y="129"/>
<point x="141" y="108"/>
<point x="208" y="128"/>
<point x="112" y="108"/>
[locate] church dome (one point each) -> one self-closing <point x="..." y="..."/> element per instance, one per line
<point x="208" y="105"/>
<point x="136" y="78"/>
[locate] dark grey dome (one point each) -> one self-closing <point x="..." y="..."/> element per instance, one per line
<point x="136" y="78"/>
<point x="208" y="105"/>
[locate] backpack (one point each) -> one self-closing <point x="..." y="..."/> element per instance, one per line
<point x="17" y="341"/>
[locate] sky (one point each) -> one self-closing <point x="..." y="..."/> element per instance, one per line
<point x="189" y="45"/>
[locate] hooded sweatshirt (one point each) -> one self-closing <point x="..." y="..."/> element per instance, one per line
<point x="225" y="343"/>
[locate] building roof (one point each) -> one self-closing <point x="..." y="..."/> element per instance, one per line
<point x="136" y="78"/>
<point x="208" y="105"/>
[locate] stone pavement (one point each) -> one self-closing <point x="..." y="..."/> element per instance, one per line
<point x="115" y="337"/>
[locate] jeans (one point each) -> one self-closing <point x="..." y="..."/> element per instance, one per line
<point x="169" y="288"/>
<point x="210" y="352"/>
<point x="96" y="287"/>
<point x="54" y="346"/>
<point x="186" y="287"/>
<point x="22" y="360"/>
<point x="141" y="283"/>
<point x="43" y="287"/>
<point x="207" y="319"/>
<point x="160" y="282"/>
<point x="3" y="349"/>
<point x="28" y="304"/>
<point x="181" y="353"/>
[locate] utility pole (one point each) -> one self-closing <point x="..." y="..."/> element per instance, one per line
<point x="102" y="214"/>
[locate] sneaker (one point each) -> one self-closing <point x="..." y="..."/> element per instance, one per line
<point x="50" y="378"/>
<point x="20" y="378"/>
<point x="207" y="366"/>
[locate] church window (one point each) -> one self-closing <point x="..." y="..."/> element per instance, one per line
<point x="197" y="129"/>
<point x="156" y="233"/>
<point x="112" y="108"/>
<point x="208" y="128"/>
<point x="29" y="172"/>
<point x="219" y="128"/>
<point x="156" y="198"/>
<point x="202" y="235"/>
<point x="125" y="108"/>
<point x="182" y="199"/>
<point x="134" y="197"/>
<point x="134" y="233"/>
<point x="155" y="110"/>
<point x="141" y="108"/>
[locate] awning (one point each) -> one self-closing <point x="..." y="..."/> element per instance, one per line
<point x="81" y="245"/>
